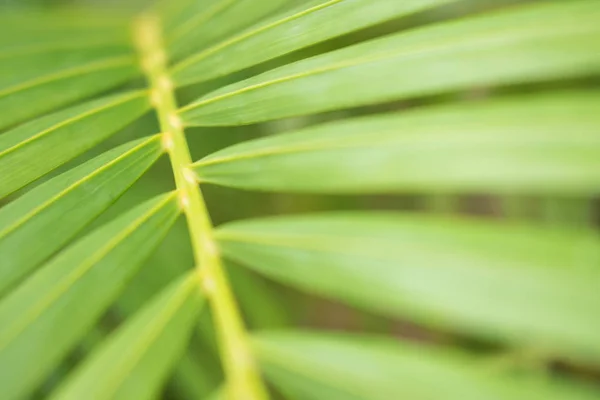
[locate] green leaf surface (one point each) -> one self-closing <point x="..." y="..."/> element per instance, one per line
<point x="36" y="148"/>
<point x="326" y="366"/>
<point x="193" y="376"/>
<point x="47" y="92"/>
<point x="135" y="361"/>
<point x="61" y="207"/>
<point x="29" y="22"/>
<point x="207" y="23"/>
<point x="219" y="394"/>
<point x="24" y="34"/>
<point x="313" y="22"/>
<point x="27" y="34"/>
<point x="521" y="44"/>
<point x="19" y="70"/>
<point x="258" y="301"/>
<point x="530" y="286"/>
<point x="75" y="43"/>
<point x="45" y="317"/>
<point x="168" y="262"/>
<point x="173" y="12"/>
<point x="531" y="144"/>
<point x="181" y="18"/>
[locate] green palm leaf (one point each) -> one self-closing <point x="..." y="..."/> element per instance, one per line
<point x="323" y="366"/>
<point x="291" y="30"/>
<point x="31" y="98"/>
<point x="542" y="144"/>
<point x="59" y="208"/>
<point x="21" y="70"/>
<point x="204" y="24"/>
<point x="445" y="57"/>
<point x="218" y="394"/>
<point x="45" y="316"/>
<point x="32" y="32"/>
<point x="55" y="139"/>
<point x="145" y="349"/>
<point x="532" y="287"/>
<point x="481" y="115"/>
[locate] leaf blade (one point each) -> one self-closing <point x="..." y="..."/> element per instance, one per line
<point x="62" y="300"/>
<point x="204" y="26"/>
<point x="329" y="366"/>
<point x="35" y="66"/>
<point x="291" y="30"/>
<point x="147" y="347"/>
<point x="84" y="191"/>
<point x="535" y="38"/>
<point x="542" y="144"/>
<point x="524" y="285"/>
<point x="54" y="139"/>
<point x="31" y="98"/>
<point x="24" y="32"/>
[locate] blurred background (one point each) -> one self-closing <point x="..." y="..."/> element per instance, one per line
<point x="267" y="304"/>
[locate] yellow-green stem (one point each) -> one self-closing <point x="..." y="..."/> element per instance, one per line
<point x="243" y="380"/>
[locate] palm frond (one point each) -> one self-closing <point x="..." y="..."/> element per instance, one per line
<point x="445" y="98"/>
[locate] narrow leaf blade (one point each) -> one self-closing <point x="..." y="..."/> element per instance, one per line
<point x="19" y="70"/>
<point x="205" y="24"/>
<point x="522" y="44"/>
<point x="28" y="32"/>
<point x="47" y="92"/>
<point x="61" y="207"/>
<point x="44" y="317"/>
<point x="542" y="144"/>
<point x="36" y="148"/>
<point x="136" y="360"/>
<point x="326" y="366"/>
<point x="313" y="22"/>
<point x="524" y="285"/>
